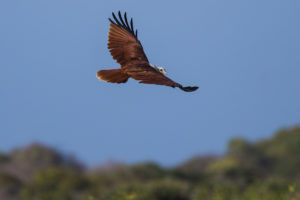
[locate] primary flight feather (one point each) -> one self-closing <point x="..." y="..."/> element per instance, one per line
<point x="127" y="50"/>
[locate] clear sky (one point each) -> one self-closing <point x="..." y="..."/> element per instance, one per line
<point x="243" y="55"/>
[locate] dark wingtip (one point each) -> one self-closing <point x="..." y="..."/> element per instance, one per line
<point x="189" y="88"/>
<point x="123" y="23"/>
<point x="111" y="21"/>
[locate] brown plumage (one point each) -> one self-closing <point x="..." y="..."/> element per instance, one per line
<point x="127" y="50"/>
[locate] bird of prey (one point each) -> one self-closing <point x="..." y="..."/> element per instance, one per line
<point x="127" y="50"/>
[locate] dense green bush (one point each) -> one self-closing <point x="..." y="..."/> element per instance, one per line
<point x="55" y="183"/>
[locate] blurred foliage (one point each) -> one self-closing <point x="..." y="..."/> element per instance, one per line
<point x="3" y="157"/>
<point x="55" y="183"/>
<point x="266" y="170"/>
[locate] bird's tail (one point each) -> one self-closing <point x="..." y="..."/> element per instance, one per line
<point x="112" y="76"/>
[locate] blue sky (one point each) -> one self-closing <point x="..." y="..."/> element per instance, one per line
<point x="243" y="55"/>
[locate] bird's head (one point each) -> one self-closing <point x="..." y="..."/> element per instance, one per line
<point x="161" y="70"/>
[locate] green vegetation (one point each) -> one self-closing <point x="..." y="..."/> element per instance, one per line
<point x="264" y="170"/>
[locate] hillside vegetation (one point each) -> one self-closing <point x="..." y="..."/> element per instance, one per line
<point x="264" y="170"/>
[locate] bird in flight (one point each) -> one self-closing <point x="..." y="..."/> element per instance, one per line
<point x="127" y="50"/>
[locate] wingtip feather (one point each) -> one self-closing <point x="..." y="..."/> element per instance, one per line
<point x="189" y="88"/>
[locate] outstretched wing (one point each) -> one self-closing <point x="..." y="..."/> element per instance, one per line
<point x="148" y="75"/>
<point x="123" y="42"/>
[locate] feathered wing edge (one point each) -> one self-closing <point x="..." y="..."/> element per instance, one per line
<point x="186" y="89"/>
<point x="148" y="75"/>
<point x="124" y="23"/>
<point x="173" y="85"/>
